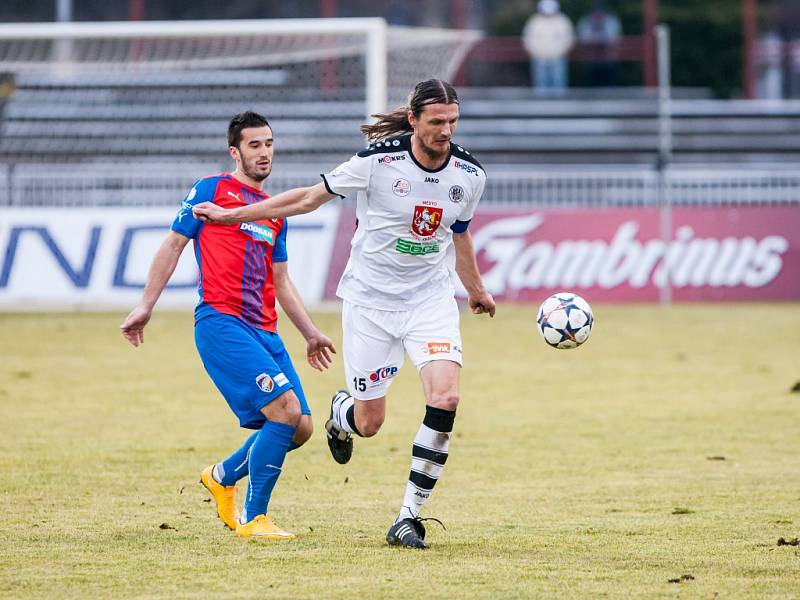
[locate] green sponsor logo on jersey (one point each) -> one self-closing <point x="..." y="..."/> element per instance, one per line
<point x="416" y="248"/>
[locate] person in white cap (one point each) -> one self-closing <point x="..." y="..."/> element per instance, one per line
<point x="548" y="37"/>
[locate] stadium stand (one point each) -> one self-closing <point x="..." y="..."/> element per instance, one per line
<point x="157" y="116"/>
<point x="154" y="116"/>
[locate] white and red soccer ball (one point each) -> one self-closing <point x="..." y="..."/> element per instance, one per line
<point x="565" y="320"/>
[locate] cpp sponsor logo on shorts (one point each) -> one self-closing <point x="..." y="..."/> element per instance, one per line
<point x="383" y="373"/>
<point x="265" y="383"/>
<point x="460" y="164"/>
<point x="401" y="187"/>
<point x="390" y="158"/>
<point x="456" y="194"/>
<point x="436" y="348"/>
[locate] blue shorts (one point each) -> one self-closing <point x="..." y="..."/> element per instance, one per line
<point x="249" y="366"/>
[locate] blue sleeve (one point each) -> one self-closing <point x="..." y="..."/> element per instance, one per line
<point x="184" y="222"/>
<point x="459" y="226"/>
<point x="279" y="253"/>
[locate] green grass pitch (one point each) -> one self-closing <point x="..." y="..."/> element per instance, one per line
<point x="660" y="460"/>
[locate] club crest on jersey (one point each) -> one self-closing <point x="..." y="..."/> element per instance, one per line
<point x="456" y="194"/>
<point x="265" y="383"/>
<point x="401" y="187"/>
<point x="259" y="232"/>
<point x="426" y="220"/>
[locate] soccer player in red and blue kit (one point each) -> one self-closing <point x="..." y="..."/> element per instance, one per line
<point x="243" y="269"/>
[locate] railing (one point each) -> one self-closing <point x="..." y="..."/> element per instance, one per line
<point x="64" y="185"/>
<point x="635" y="186"/>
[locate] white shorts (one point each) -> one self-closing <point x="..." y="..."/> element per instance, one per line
<point x="375" y="342"/>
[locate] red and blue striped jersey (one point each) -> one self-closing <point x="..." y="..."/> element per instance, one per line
<point x="235" y="260"/>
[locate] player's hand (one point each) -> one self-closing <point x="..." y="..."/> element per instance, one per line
<point x="482" y="303"/>
<point x="208" y="212"/>
<point x="319" y="348"/>
<point x="133" y="326"/>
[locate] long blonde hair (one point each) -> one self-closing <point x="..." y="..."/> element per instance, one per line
<point x="430" y="91"/>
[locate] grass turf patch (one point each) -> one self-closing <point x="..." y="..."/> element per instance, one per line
<point x="658" y="457"/>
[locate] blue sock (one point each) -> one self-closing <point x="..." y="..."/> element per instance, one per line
<point x="233" y="468"/>
<point x="266" y="461"/>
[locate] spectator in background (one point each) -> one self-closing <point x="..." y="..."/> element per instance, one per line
<point x="601" y="30"/>
<point x="769" y="63"/>
<point x="548" y="37"/>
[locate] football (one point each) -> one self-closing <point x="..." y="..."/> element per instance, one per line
<point x="565" y="320"/>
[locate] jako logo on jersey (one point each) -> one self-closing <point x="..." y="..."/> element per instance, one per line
<point x="383" y="373"/>
<point x="262" y="233"/>
<point x="456" y="194"/>
<point x="265" y="383"/>
<point x="465" y="167"/>
<point x="426" y="220"/>
<point x="438" y="348"/>
<point x="401" y="187"/>
<point x="431" y="180"/>
<point x="389" y="159"/>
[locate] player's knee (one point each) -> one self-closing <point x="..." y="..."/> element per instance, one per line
<point x="369" y="425"/>
<point x="445" y="400"/>
<point x="292" y="412"/>
<point x="305" y="428"/>
<point x="284" y="409"/>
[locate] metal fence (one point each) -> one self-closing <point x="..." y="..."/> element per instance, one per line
<point x="158" y="184"/>
<point x="636" y="186"/>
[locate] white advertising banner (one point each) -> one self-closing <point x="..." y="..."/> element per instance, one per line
<point x="66" y="258"/>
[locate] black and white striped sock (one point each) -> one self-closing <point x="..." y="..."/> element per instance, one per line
<point x="344" y="412"/>
<point x="428" y="456"/>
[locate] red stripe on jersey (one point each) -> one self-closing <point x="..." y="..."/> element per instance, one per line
<point x="236" y="259"/>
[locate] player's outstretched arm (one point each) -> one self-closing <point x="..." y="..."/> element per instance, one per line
<point x="286" y="204"/>
<point x="319" y="346"/>
<point x="480" y="301"/>
<point x="161" y="269"/>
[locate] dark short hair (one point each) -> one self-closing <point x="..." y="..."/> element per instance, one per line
<point x="241" y="121"/>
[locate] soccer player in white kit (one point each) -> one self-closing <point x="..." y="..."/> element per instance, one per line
<point x="416" y="192"/>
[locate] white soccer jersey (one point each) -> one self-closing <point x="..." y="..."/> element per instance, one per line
<point x="405" y="213"/>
